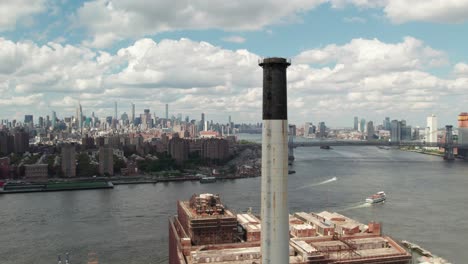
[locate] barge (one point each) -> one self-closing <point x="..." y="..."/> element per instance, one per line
<point x="24" y="187"/>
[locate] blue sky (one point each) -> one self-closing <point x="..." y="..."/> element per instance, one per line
<point x="403" y="59"/>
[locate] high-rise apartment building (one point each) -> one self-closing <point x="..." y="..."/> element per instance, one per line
<point x="68" y="160"/>
<point x="21" y="141"/>
<point x="356" y="123"/>
<point x="106" y="161"/>
<point x="178" y="148"/>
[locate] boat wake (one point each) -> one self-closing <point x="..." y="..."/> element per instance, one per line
<point x="356" y="206"/>
<point x="317" y="184"/>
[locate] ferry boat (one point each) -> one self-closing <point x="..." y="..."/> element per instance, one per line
<point x="376" y="198"/>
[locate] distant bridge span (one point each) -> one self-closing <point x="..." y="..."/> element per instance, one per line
<point x="322" y="143"/>
<point x="448" y="144"/>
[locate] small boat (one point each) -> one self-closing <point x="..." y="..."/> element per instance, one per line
<point x="376" y="198"/>
<point x="207" y="179"/>
<point x="325" y="147"/>
<point x="291" y="171"/>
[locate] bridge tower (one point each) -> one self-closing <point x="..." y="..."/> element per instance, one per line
<point x="290" y="145"/>
<point x="448" y="152"/>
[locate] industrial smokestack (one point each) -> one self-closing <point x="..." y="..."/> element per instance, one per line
<point x="274" y="212"/>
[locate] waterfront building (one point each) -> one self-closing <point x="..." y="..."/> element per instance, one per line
<point x="416" y="133"/>
<point x="431" y="135"/>
<point x="69" y="160"/>
<point x="463" y="133"/>
<point x="387" y="124"/>
<point x="106" y="161"/>
<point x="395" y="131"/>
<point x="36" y="172"/>
<point x="362" y="126"/>
<point x="204" y="231"/>
<point x="370" y="130"/>
<point x="4" y="167"/>
<point x="308" y="129"/>
<point x="322" y="129"/>
<point x="356" y="123"/>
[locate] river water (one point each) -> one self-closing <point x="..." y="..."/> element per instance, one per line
<point x="426" y="204"/>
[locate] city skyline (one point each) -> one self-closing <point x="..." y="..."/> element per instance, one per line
<point x="349" y="58"/>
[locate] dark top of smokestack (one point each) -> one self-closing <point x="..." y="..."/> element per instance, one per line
<point x="274" y="88"/>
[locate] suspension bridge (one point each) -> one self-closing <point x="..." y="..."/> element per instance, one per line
<point x="447" y="144"/>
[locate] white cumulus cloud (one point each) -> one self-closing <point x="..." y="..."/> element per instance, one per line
<point x="14" y="11"/>
<point x="109" y="21"/>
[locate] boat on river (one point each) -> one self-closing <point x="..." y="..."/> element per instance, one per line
<point x="376" y="198"/>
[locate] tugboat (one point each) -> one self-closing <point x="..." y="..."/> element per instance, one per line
<point x="376" y="198"/>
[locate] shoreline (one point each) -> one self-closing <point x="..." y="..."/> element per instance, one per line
<point x="423" y="152"/>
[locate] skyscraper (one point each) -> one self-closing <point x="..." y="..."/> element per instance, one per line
<point x="54" y="119"/>
<point x="431" y="136"/>
<point x="202" y="122"/>
<point x="28" y="119"/>
<point x="133" y="114"/>
<point x="395" y="131"/>
<point x="167" y="111"/>
<point x="322" y="128"/>
<point x="386" y="123"/>
<point x="80" y="118"/>
<point x="370" y="130"/>
<point x="41" y="122"/>
<point x="356" y="123"/>
<point x="115" y="110"/>
<point x="362" y="126"/>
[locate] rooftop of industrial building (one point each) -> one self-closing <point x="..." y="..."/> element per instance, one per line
<point x="307" y="244"/>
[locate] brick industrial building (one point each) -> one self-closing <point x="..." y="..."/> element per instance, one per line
<point x="204" y="231"/>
